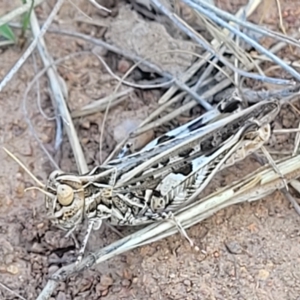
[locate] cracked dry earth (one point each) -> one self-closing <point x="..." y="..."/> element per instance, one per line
<point x="247" y="251"/>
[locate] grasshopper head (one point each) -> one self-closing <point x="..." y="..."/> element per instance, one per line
<point x="64" y="199"/>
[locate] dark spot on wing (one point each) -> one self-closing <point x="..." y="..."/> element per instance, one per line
<point x="138" y="174"/>
<point x="156" y="193"/>
<point x="230" y="107"/>
<point x="196" y="125"/>
<point x="184" y="170"/>
<point x="165" y="162"/>
<point x="185" y="153"/>
<point x="164" y="138"/>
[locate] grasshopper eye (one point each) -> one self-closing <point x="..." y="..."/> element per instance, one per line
<point x="65" y="194"/>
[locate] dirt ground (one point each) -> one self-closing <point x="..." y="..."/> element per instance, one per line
<point x="248" y="251"/>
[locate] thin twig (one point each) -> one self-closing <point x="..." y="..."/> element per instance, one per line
<point x="134" y="58"/>
<point x="246" y="24"/>
<point x="216" y="44"/>
<point x="11" y="291"/>
<point x="29" y="87"/>
<point x="18" y="11"/>
<point x="32" y="46"/>
<point x="187" y="30"/>
<point x="59" y="99"/>
<point x="101" y="104"/>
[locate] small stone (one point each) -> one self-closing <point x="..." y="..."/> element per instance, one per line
<point x="86" y="125"/>
<point x="85" y="141"/>
<point x="126" y="282"/>
<point x="135" y="280"/>
<point x="40" y="225"/>
<point x="172" y="275"/>
<point x="196" y="248"/>
<point x="263" y="274"/>
<point x="123" y="66"/>
<point x="187" y="282"/>
<point x="61" y="296"/>
<point x="37" y="248"/>
<point x="234" y="247"/>
<point x="20" y="190"/>
<point x="116" y="289"/>
<point x="19" y="176"/>
<point x="106" y="280"/>
<point x="104" y="293"/>
<point x="127" y="274"/>
<point x="100" y="288"/>
<point x="8" y="201"/>
<point x="12" y="269"/>
<point x="2" y="268"/>
<point x="85" y="285"/>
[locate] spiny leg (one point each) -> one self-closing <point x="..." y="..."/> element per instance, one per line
<point x="274" y="166"/>
<point x="90" y="227"/>
<point x="285" y="190"/>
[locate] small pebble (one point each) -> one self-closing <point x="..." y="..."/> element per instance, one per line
<point x="187" y="282"/>
<point x="106" y="280"/>
<point x="104" y="293"/>
<point x="100" y="287"/>
<point x="123" y="66"/>
<point x="116" y="289"/>
<point x="263" y="274"/>
<point x="61" y="296"/>
<point x="234" y="247"/>
<point x="134" y="280"/>
<point x="12" y="269"/>
<point x="126" y="282"/>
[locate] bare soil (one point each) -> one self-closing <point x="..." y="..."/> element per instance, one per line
<point x="247" y="251"/>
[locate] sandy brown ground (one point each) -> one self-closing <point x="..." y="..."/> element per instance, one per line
<point x="248" y="251"/>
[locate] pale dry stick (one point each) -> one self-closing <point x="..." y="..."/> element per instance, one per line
<point x="91" y="22"/>
<point x="59" y="126"/>
<point x="100" y="105"/>
<point x="237" y="51"/>
<point x="131" y="84"/>
<point x="100" y="6"/>
<point x="216" y="44"/>
<point x="274" y="49"/>
<point x="291" y="199"/>
<point x="256" y="96"/>
<point x="19" y="11"/>
<point x="32" y="46"/>
<point x="225" y="83"/>
<point x="297" y="141"/>
<point x="82" y="12"/>
<point x="59" y="98"/>
<point x="195" y="37"/>
<point x="281" y="26"/>
<point x="291" y="130"/>
<point x="38" y="182"/>
<point x="255" y="186"/>
<point x="130" y="56"/>
<point x="29" y="87"/>
<point x="246" y="24"/>
<point x="11" y="291"/>
<point x="251" y="42"/>
<point x="6" y="43"/>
